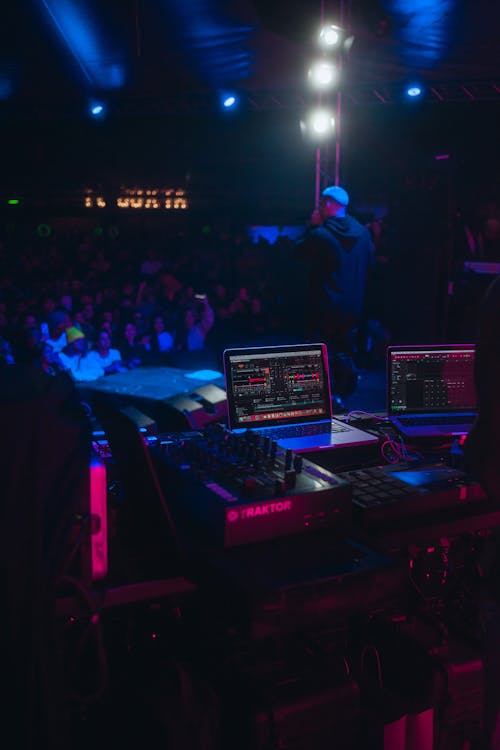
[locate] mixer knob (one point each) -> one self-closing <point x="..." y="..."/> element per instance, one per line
<point x="297" y="464"/>
<point x="290" y="478"/>
<point x="288" y="459"/>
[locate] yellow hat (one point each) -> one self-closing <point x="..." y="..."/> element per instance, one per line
<point x="73" y="334"/>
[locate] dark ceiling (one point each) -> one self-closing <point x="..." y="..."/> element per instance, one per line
<point x="171" y="54"/>
<point x="160" y="63"/>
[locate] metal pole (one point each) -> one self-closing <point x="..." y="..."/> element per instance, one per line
<point x="317" y="190"/>
<point x="318" y="178"/>
<point x="338" y="118"/>
<point x="337" y="132"/>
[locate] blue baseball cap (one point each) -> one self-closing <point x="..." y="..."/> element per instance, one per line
<point x="337" y="194"/>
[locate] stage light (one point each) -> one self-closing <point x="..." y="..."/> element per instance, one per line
<point x="331" y="36"/>
<point x="97" y="109"/>
<point x="228" y="100"/>
<point x="323" y="74"/>
<point x="320" y="124"/>
<point x="80" y="29"/>
<point x="414" y="91"/>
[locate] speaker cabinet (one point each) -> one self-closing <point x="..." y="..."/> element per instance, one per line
<point x="194" y="410"/>
<point x="144" y="422"/>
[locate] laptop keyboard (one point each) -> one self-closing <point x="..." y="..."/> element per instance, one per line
<point x="302" y="430"/>
<point x="443" y="419"/>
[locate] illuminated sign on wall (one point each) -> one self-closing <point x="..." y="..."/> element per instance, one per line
<point x="156" y="198"/>
<point x="94" y="201"/>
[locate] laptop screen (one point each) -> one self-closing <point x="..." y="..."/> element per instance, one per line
<point x="274" y="385"/>
<point x="431" y="379"/>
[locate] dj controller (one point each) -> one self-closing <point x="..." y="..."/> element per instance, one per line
<point x="384" y="494"/>
<point x="241" y="488"/>
<point x="291" y="552"/>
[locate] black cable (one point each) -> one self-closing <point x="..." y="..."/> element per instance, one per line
<point x="93" y="631"/>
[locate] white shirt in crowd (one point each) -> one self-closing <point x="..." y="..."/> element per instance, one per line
<point x="58" y="344"/>
<point x="82" y="368"/>
<point x="113" y="355"/>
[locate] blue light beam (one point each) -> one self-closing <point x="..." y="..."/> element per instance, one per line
<point x="424" y="28"/>
<point x="78" y="30"/>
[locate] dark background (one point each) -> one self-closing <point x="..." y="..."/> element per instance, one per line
<point x="164" y="126"/>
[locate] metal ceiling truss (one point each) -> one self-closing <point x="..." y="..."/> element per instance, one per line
<point x="433" y="92"/>
<point x="196" y="101"/>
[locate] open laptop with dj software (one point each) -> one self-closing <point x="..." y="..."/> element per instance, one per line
<point x="283" y="393"/>
<point x="431" y="390"/>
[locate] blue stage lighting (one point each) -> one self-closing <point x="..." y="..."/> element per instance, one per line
<point x="229" y="101"/>
<point x="414" y="91"/>
<point x="97" y="109"/>
<point x="423" y="29"/>
<point x="76" y="23"/>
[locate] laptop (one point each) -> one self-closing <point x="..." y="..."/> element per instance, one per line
<point x="431" y="390"/>
<point x="283" y="393"/>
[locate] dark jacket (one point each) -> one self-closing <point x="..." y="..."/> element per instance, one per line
<point x="339" y="255"/>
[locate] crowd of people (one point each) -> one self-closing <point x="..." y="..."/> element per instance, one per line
<point x="96" y="304"/>
<point x="93" y="304"/>
<point x="101" y="300"/>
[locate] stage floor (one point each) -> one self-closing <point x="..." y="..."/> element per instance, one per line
<point x="163" y="383"/>
<point x="155" y="383"/>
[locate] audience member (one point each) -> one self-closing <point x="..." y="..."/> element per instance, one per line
<point x="67" y="303"/>
<point x="152" y="264"/>
<point x="159" y="342"/>
<point x="107" y="322"/>
<point x="87" y="324"/>
<point x="74" y="357"/>
<point x="196" y="323"/>
<point x="110" y="360"/>
<point x="27" y="345"/>
<point x="131" y="349"/>
<point x="6" y="356"/>
<point x="58" y="321"/>
<point x="49" y="360"/>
